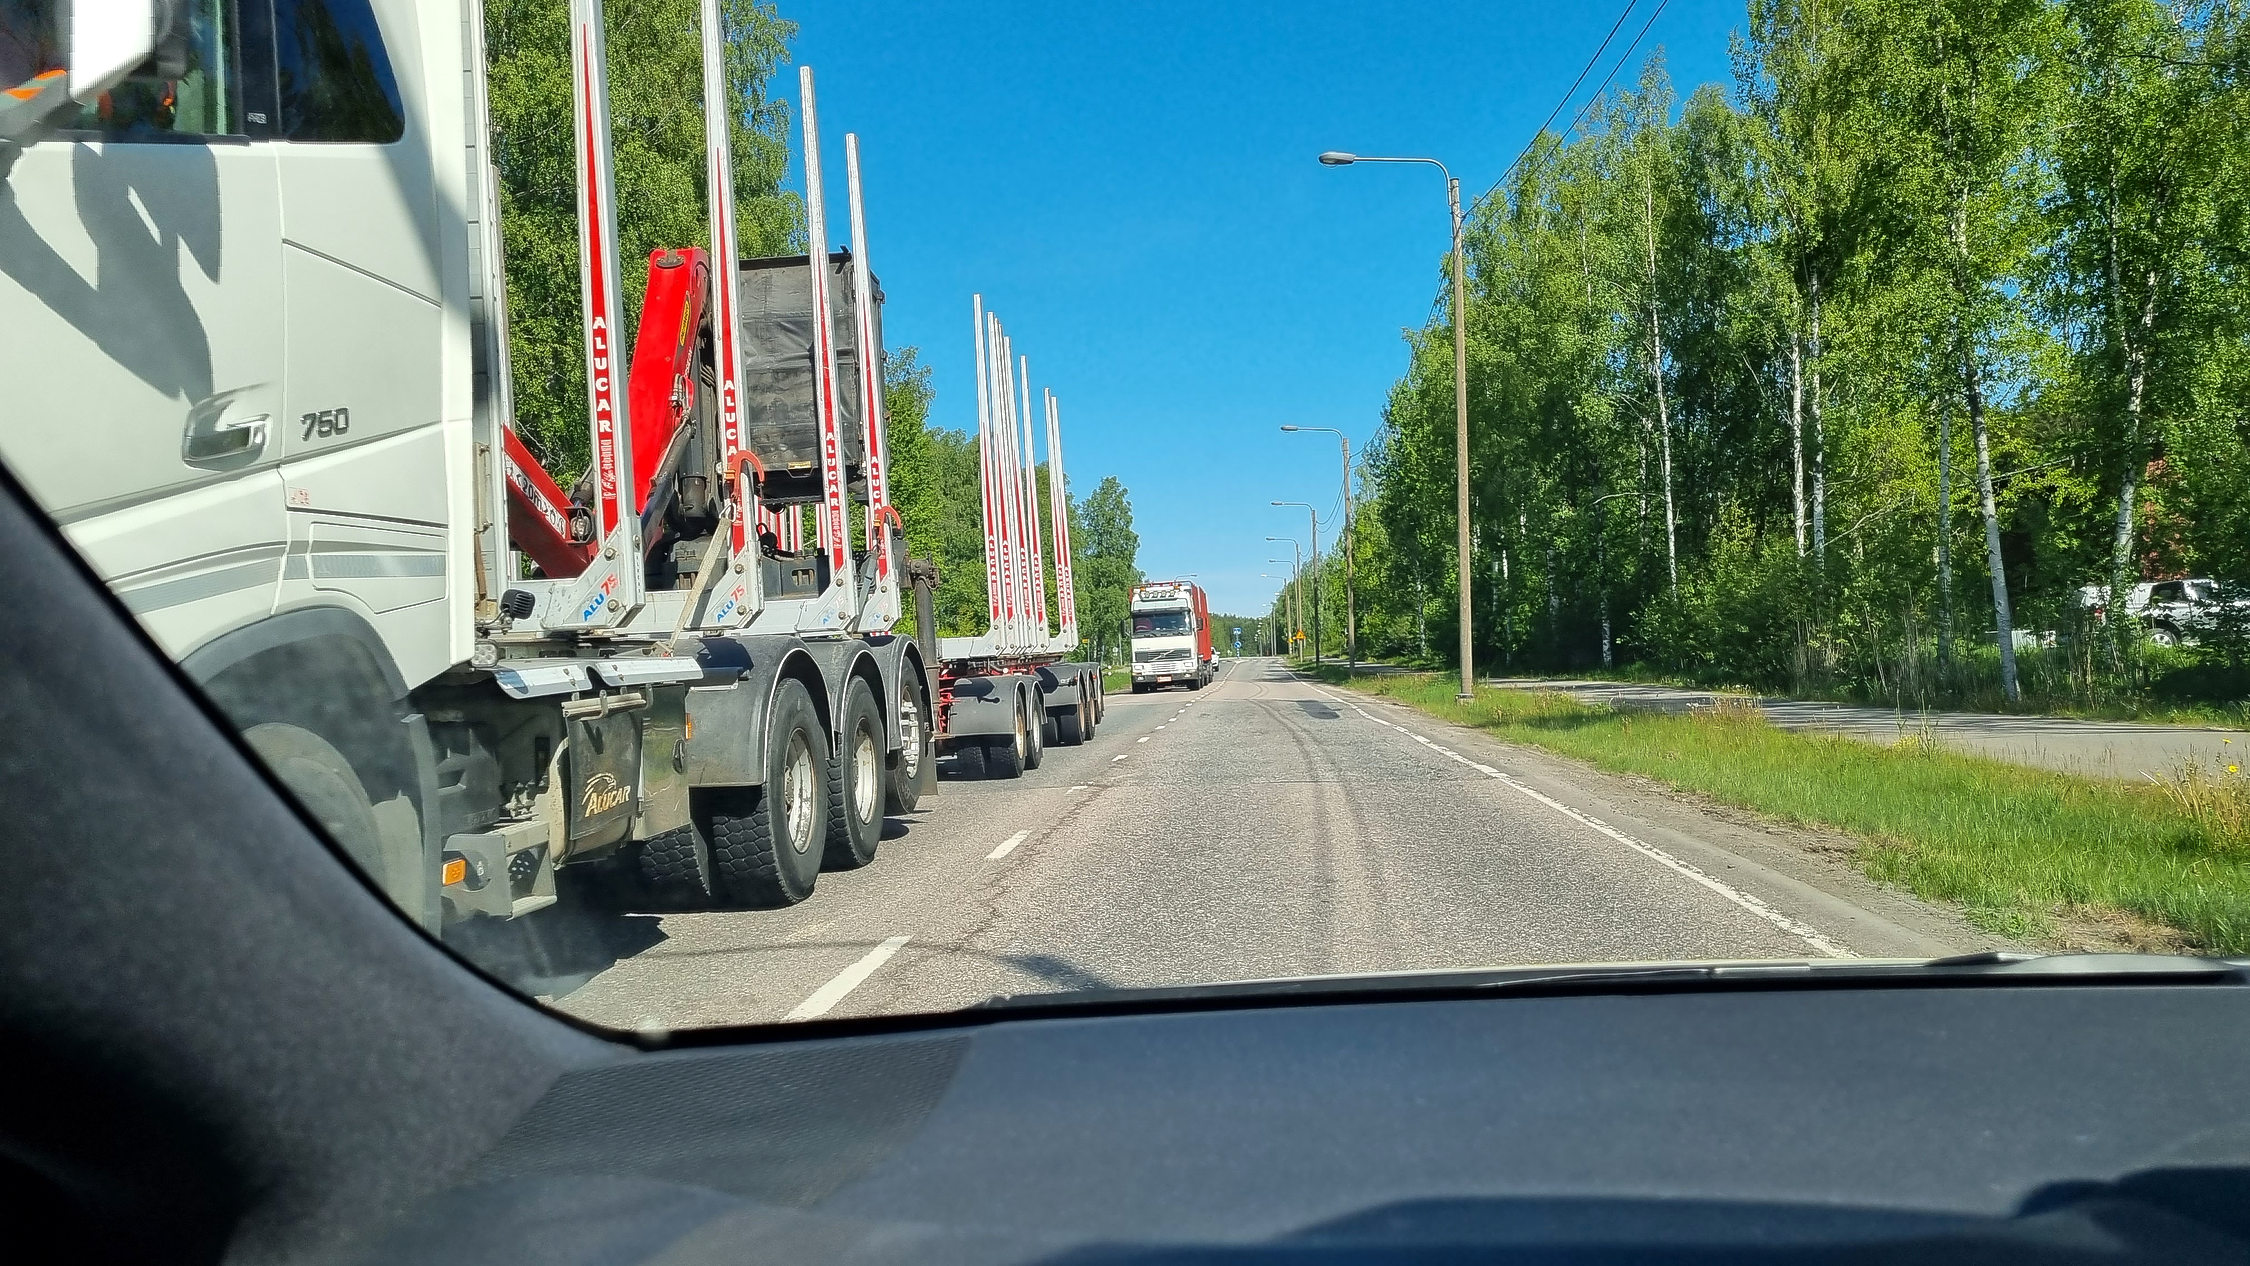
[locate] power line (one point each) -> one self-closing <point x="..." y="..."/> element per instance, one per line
<point x="1624" y="57"/>
<point x="1568" y="93"/>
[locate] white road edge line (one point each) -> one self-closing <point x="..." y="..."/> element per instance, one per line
<point x="1078" y="786"/>
<point x="852" y="977"/>
<point x="1802" y="931"/>
<point x="1007" y="846"/>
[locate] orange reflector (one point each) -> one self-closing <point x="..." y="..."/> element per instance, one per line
<point x="456" y="870"/>
<point x="690" y="729"/>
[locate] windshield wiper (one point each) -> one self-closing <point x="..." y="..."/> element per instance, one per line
<point x="1983" y="967"/>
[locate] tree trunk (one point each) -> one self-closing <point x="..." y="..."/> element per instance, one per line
<point x="1797" y="435"/>
<point x="1985" y="503"/>
<point x="2121" y="566"/>
<point x="1656" y="374"/>
<point x="1945" y="541"/>
<point x="1819" y="442"/>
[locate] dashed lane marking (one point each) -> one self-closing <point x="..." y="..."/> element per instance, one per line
<point x="826" y="997"/>
<point x="1007" y="846"/>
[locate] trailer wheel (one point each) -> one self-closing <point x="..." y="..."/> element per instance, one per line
<point x="1006" y="757"/>
<point x="766" y="841"/>
<point x="1070" y="727"/>
<point x="917" y="749"/>
<point x="1035" y="734"/>
<point x="855" y="782"/>
<point x="968" y="759"/>
<point x="676" y="867"/>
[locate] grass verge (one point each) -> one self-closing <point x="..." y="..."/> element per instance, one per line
<point x="2028" y="853"/>
<point x="1115" y="679"/>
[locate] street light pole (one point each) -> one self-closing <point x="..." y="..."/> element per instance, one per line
<point x="1296" y="587"/>
<point x="1313" y="517"/>
<point x="1351" y="546"/>
<point x="1335" y="158"/>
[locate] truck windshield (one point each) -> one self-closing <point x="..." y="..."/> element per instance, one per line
<point x="1161" y="624"/>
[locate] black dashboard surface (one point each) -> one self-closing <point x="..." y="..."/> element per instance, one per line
<point x="2060" y="1122"/>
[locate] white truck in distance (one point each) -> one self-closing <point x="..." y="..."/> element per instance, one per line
<point x="1170" y="634"/>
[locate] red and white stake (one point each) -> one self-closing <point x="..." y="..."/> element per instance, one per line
<point x="832" y="535"/>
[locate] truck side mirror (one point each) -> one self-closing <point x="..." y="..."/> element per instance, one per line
<point x="103" y="42"/>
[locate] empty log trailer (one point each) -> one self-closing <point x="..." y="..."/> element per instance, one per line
<point x="1006" y="694"/>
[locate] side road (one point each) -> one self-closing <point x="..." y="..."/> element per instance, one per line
<point x="2102" y="749"/>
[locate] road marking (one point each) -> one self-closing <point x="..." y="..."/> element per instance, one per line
<point x="1142" y="739"/>
<point x="1162" y="726"/>
<point x="1007" y="846"/>
<point x="1802" y="931"/>
<point x="1120" y="756"/>
<point x="852" y="977"/>
<point x="1078" y="786"/>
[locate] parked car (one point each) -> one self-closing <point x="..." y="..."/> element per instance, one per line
<point x="2173" y="611"/>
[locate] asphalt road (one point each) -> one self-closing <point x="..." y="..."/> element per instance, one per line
<point x="2102" y="749"/>
<point x="1262" y="827"/>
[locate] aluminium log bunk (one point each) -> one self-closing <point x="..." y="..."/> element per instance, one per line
<point x="1005" y="695"/>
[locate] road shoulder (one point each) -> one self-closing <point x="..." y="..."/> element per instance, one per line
<point x="1810" y="874"/>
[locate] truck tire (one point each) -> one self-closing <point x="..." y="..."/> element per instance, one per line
<point x="968" y="759"/>
<point x="331" y="793"/>
<point x="1035" y="733"/>
<point x="766" y="841"/>
<point x="1070" y="727"/>
<point x="855" y="782"/>
<point x="1005" y="757"/>
<point x="675" y="867"/>
<point x="917" y="748"/>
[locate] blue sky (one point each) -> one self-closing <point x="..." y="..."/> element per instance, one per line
<point x="1133" y="188"/>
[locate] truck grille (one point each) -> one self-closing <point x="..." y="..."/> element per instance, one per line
<point x="1181" y="656"/>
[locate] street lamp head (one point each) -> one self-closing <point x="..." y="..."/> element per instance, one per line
<point x="1338" y="158"/>
<point x="1290" y="426"/>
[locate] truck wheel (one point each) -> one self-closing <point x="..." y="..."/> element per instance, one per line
<point x="917" y="750"/>
<point x="1004" y="757"/>
<point x="855" y="783"/>
<point x="331" y="793"/>
<point x="676" y="867"/>
<point x="1101" y="701"/>
<point x="766" y="841"/>
<point x="968" y="759"/>
<point x="1035" y="734"/>
<point x="1070" y="727"/>
<point x="2163" y="635"/>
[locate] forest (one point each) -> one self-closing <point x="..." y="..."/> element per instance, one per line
<point x="1871" y="373"/>
<point x="657" y="130"/>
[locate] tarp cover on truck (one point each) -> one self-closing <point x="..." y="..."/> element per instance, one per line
<point x="778" y="367"/>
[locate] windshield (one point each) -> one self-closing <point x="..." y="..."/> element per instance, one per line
<point x="1807" y="516"/>
<point x="1162" y="624"/>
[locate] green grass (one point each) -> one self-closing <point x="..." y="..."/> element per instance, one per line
<point x="1115" y="679"/>
<point x="2175" y="697"/>
<point x="2020" y="849"/>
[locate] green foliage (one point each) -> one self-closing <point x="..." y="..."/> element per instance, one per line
<point x="1793" y="335"/>
<point x="1107" y="566"/>
<point x="656" y="114"/>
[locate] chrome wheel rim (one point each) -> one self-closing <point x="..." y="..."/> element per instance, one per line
<point x="797" y="783"/>
<point x="867" y="761"/>
<point x="909" y="739"/>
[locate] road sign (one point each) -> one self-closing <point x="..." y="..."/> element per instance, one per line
<point x="1238" y="639"/>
